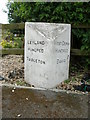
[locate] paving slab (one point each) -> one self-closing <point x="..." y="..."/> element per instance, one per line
<point x="0" y="102"/>
<point x="40" y="103"/>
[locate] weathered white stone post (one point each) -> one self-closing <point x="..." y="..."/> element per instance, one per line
<point x="47" y="53"/>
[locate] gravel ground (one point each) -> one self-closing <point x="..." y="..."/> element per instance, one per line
<point x="12" y="69"/>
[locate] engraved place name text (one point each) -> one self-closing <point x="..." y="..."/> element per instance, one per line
<point x="36" y="42"/>
<point x="35" y="60"/>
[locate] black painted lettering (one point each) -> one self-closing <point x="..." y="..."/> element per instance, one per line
<point x="36" y="50"/>
<point x="43" y="62"/>
<point x="57" y="61"/>
<point x="60" y="61"/>
<point x="63" y="43"/>
<point x="61" y="50"/>
<point x="36" y="42"/>
<point x="35" y="60"/>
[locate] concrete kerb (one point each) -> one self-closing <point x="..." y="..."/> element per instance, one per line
<point x="43" y="89"/>
<point x="30" y="102"/>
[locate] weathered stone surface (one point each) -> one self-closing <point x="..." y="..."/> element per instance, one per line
<point x="47" y="53"/>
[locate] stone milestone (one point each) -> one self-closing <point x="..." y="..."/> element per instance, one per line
<point x="47" y="53"/>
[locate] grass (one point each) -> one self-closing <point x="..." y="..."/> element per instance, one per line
<point x="73" y="79"/>
<point x="67" y="81"/>
<point x="20" y="82"/>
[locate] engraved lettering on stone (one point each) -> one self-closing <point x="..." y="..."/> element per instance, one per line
<point x="61" y="50"/>
<point x="36" y="50"/>
<point x="63" y="43"/>
<point x="35" y="60"/>
<point x="61" y="61"/>
<point x="36" y="42"/>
